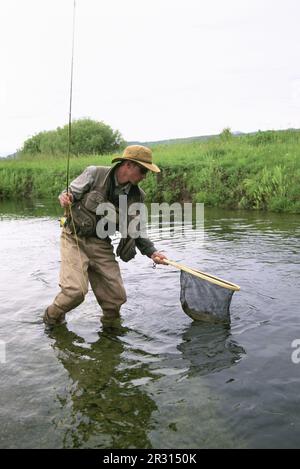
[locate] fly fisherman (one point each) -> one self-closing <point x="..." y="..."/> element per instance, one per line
<point x="86" y="249"/>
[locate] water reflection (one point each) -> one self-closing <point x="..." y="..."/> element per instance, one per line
<point x="209" y="347"/>
<point x="27" y="208"/>
<point x="107" y="409"/>
<point x="106" y="404"/>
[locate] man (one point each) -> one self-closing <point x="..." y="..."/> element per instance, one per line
<point x="87" y="258"/>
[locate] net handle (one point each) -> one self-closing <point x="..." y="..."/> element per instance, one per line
<point x="203" y="275"/>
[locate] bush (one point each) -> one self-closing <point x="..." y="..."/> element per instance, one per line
<point x="88" y="137"/>
<point x="226" y="135"/>
<point x="262" y="138"/>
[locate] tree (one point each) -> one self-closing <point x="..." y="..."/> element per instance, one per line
<point x="33" y="145"/>
<point x="88" y="136"/>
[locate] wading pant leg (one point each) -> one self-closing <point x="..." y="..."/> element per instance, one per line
<point x="105" y="277"/>
<point x="73" y="276"/>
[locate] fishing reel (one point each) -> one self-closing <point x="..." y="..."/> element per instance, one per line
<point x="63" y="222"/>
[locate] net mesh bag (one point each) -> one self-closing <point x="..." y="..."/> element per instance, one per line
<point x="205" y="297"/>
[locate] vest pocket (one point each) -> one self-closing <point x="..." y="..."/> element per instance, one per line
<point x="92" y="200"/>
<point x="83" y="220"/>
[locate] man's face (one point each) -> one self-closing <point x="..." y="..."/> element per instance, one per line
<point x="135" y="172"/>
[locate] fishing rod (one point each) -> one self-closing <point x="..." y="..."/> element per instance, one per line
<point x="63" y="219"/>
<point x="70" y="103"/>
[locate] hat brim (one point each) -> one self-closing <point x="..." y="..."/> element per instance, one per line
<point x="151" y="166"/>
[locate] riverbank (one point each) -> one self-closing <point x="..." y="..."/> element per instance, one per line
<point x="259" y="172"/>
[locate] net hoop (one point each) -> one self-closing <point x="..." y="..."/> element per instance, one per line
<point x="204" y="276"/>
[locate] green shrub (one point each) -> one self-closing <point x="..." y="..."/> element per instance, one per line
<point x="88" y="137"/>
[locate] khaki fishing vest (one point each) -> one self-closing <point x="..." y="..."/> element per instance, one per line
<point x="84" y="217"/>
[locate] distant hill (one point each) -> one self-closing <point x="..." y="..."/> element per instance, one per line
<point x="202" y="137"/>
<point x="12" y="155"/>
<point x="182" y="140"/>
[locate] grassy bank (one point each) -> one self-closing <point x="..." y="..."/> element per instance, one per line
<point x="259" y="171"/>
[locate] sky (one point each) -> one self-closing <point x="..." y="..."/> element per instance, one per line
<point x="153" y="69"/>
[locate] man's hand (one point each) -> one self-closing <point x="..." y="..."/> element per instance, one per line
<point x="65" y="199"/>
<point x="158" y="257"/>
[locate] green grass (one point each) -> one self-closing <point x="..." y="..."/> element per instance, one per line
<point x="259" y="171"/>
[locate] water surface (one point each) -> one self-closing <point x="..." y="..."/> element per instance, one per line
<point x="158" y="379"/>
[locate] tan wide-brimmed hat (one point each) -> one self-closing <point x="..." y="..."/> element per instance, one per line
<point x="138" y="154"/>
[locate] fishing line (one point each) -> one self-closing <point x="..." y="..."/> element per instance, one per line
<point x="69" y="209"/>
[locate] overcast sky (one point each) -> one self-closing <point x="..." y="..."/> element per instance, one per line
<point x="153" y="69"/>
